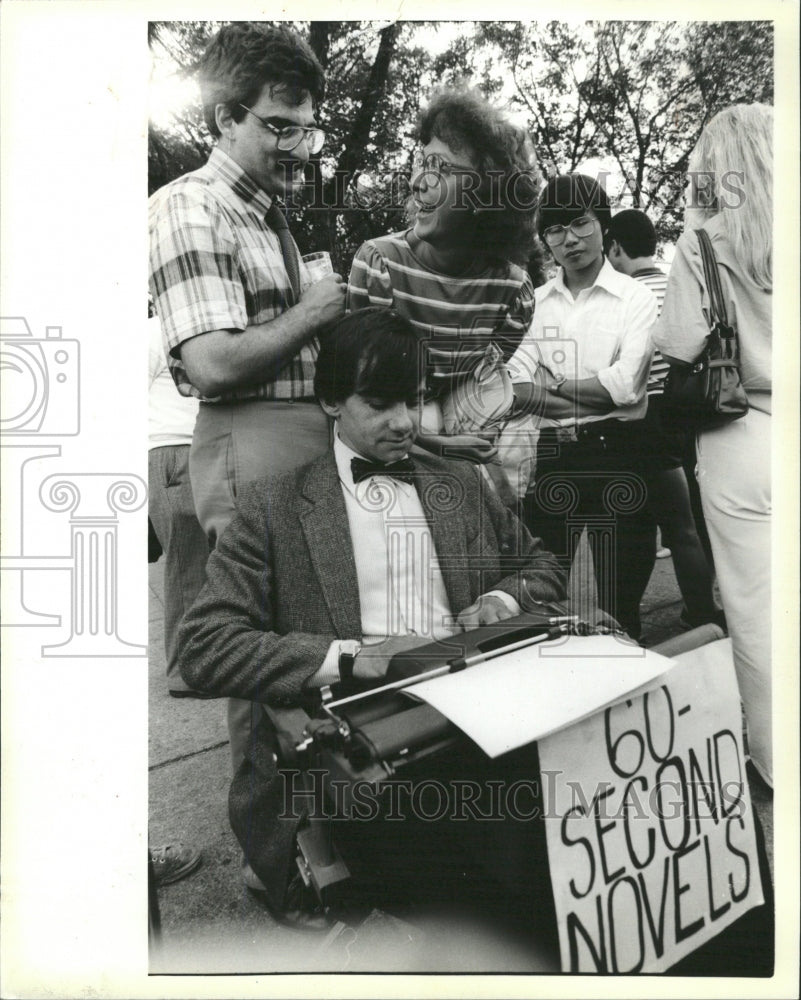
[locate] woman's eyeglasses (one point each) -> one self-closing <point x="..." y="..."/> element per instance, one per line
<point x="554" y="236"/>
<point x="291" y="136"/>
<point x="436" y="165"/>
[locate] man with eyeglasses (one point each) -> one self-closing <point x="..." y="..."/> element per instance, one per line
<point x="583" y="367"/>
<point x="239" y="313"/>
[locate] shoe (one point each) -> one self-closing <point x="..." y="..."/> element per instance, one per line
<point x="302" y="910"/>
<point x="251" y="879"/>
<point x="173" y="862"/>
<point x="188" y="693"/>
<point x="662" y="553"/>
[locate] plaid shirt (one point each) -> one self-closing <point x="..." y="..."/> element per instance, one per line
<point x="216" y="265"/>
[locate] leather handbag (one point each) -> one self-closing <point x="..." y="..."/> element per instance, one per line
<point x="708" y="393"/>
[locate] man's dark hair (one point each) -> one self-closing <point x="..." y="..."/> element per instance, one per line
<point x="374" y="352"/>
<point x="569" y="196"/>
<point x="510" y="181"/>
<point x="244" y="56"/>
<point x="634" y="231"/>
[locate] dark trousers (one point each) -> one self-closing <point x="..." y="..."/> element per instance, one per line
<point x="596" y="482"/>
<point x="449" y="853"/>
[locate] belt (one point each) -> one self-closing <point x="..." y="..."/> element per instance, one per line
<point x="602" y="434"/>
<point x="599" y="429"/>
<point x="595" y="429"/>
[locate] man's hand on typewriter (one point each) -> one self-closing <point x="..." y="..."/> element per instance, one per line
<point x="372" y="661"/>
<point x="487" y="610"/>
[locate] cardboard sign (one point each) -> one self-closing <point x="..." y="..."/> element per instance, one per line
<point x="650" y="831"/>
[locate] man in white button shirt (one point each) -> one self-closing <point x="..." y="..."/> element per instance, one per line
<point x="583" y="367"/>
<point x="326" y="572"/>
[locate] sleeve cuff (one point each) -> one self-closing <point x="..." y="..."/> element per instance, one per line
<point x="621" y="395"/>
<point x="507" y="599"/>
<point x="328" y="672"/>
<point x="523" y="365"/>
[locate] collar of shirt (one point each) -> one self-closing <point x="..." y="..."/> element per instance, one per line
<point x="343" y="455"/>
<point x="228" y="171"/>
<point x="643" y="271"/>
<point x="608" y="280"/>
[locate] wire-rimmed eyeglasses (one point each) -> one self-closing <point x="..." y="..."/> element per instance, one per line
<point x="436" y="165"/>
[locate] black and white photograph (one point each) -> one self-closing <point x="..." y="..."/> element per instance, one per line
<point x="467" y="634"/>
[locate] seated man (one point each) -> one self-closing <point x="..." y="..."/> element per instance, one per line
<point x="303" y="587"/>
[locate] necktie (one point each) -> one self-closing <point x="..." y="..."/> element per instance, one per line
<point x="276" y="220"/>
<point x="402" y="470"/>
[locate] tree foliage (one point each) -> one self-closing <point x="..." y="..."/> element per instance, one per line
<point x="634" y="95"/>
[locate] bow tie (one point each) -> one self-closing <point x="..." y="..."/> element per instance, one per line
<point x="402" y="470"/>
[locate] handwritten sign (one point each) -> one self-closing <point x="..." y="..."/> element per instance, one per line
<point x="650" y="833"/>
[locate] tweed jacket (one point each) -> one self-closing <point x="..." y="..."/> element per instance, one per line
<point x="281" y="584"/>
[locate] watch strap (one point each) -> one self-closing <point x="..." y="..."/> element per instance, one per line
<point x="347" y="660"/>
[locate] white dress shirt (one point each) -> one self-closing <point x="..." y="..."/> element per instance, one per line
<point x="605" y="331"/>
<point x="171" y="416"/>
<point x="401" y="589"/>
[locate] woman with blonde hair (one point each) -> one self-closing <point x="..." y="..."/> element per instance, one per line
<point x="731" y="197"/>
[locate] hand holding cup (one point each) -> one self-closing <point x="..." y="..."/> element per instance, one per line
<point x="324" y="301"/>
<point x="318" y="264"/>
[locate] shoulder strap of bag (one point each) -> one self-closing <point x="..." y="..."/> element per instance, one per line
<point x="712" y="277"/>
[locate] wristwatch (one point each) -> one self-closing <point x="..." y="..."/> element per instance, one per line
<point x="348" y="651"/>
<point x="558" y="382"/>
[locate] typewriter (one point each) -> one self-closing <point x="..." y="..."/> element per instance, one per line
<point x="380" y="733"/>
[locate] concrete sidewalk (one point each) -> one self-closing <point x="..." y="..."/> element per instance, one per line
<point x="212" y="924"/>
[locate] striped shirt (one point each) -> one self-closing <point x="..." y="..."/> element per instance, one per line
<point x="656" y="280"/>
<point x="216" y="265"/>
<point x="457" y="316"/>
